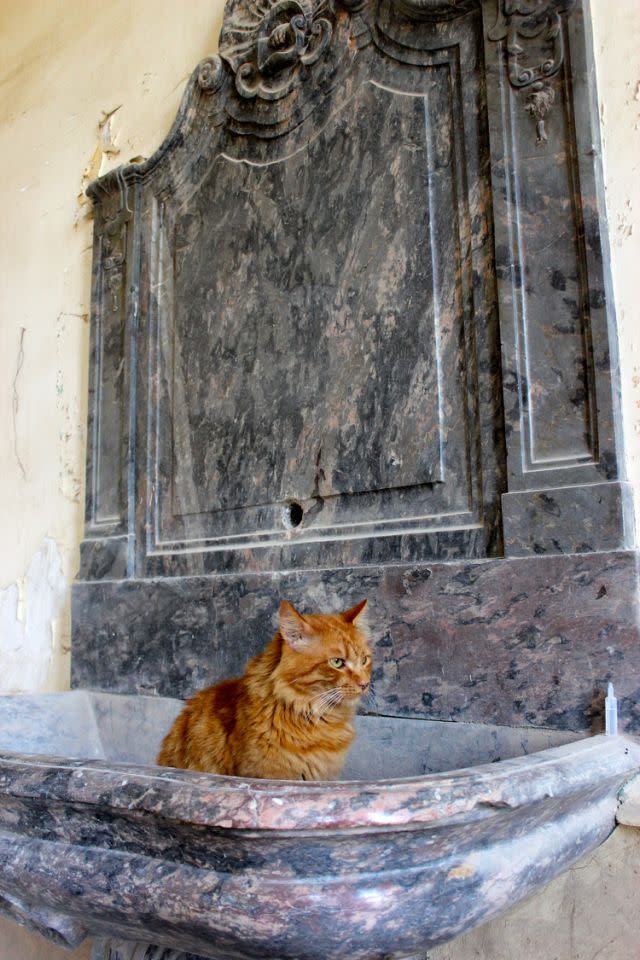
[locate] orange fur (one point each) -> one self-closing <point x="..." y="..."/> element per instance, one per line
<point x="289" y="717"/>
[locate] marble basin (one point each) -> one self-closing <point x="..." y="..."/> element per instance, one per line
<point x="440" y="826"/>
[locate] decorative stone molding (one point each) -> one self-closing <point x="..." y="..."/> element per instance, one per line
<point x="111" y="226"/>
<point x="521" y="23"/>
<point x="210" y="74"/>
<point x="270" y="46"/>
<point x="360" y="32"/>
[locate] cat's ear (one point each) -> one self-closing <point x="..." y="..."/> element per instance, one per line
<point x="294" y="628"/>
<point x="356" y="614"/>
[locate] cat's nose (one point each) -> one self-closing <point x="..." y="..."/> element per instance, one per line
<point x="363" y="686"/>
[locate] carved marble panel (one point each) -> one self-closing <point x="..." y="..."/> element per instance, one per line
<point x="306" y="351"/>
<point x="558" y="352"/>
<point x="315" y="336"/>
<point x="310" y="316"/>
<point x="106" y="476"/>
<point x="353" y="333"/>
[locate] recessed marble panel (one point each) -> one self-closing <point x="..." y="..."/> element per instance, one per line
<point x="307" y="350"/>
<point x="314" y="316"/>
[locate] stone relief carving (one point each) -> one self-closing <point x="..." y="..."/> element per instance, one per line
<point x="453" y="53"/>
<point x="210" y="74"/>
<point x="360" y="32"/>
<point x="270" y="44"/>
<point x="113" y="230"/>
<point x="521" y="23"/>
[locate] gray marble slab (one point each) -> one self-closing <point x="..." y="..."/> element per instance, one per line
<point x="353" y="290"/>
<point x="62" y="724"/>
<point x="530" y="641"/>
<point x="231" y="868"/>
<point x="129" y="729"/>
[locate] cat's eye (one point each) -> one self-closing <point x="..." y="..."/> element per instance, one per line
<point x="365" y="661"/>
<point x="337" y="662"/>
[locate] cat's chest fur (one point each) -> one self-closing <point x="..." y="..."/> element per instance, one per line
<point x="294" y="747"/>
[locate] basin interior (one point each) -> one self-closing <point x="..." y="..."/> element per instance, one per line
<point x="128" y="729"/>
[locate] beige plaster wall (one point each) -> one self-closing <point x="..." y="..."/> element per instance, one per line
<point x="616" y="27"/>
<point x="83" y="87"/>
<point x="65" y="66"/>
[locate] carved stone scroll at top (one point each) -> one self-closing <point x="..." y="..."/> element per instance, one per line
<point x="520" y="23"/>
<point x="210" y="74"/>
<point x="270" y="45"/>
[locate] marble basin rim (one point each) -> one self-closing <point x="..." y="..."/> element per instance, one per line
<point x="228" y="867"/>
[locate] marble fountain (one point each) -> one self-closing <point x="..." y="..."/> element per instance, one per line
<point x="352" y="335"/>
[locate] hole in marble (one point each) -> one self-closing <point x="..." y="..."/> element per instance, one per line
<point x="294" y="514"/>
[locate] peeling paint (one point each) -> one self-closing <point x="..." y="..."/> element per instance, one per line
<point x="32" y="637"/>
<point x="106" y="148"/>
<point x="105" y="133"/>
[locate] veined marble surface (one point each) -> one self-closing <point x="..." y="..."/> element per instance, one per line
<point x="225" y="867"/>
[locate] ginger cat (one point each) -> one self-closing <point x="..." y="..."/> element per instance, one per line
<point x="290" y="716"/>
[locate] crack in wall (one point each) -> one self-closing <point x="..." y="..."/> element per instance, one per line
<point x="16" y="402"/>
<point x="69" y="467"/>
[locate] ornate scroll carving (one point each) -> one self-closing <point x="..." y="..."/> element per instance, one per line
<point x="269" y="45"/>
<point x="521" y="22"/>
<point x="210" y="74"/>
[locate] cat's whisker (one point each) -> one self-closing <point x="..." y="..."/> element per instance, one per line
<point x="317" y="702"/>
<point x="324" y="694"/>
<point x="322" y="702"/>
<point x="370" y="702"/>
<point x="320" y="706"/>
<point x="315" y="705"/>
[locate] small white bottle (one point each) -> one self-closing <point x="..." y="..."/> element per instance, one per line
<point x="610" y="713"/>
